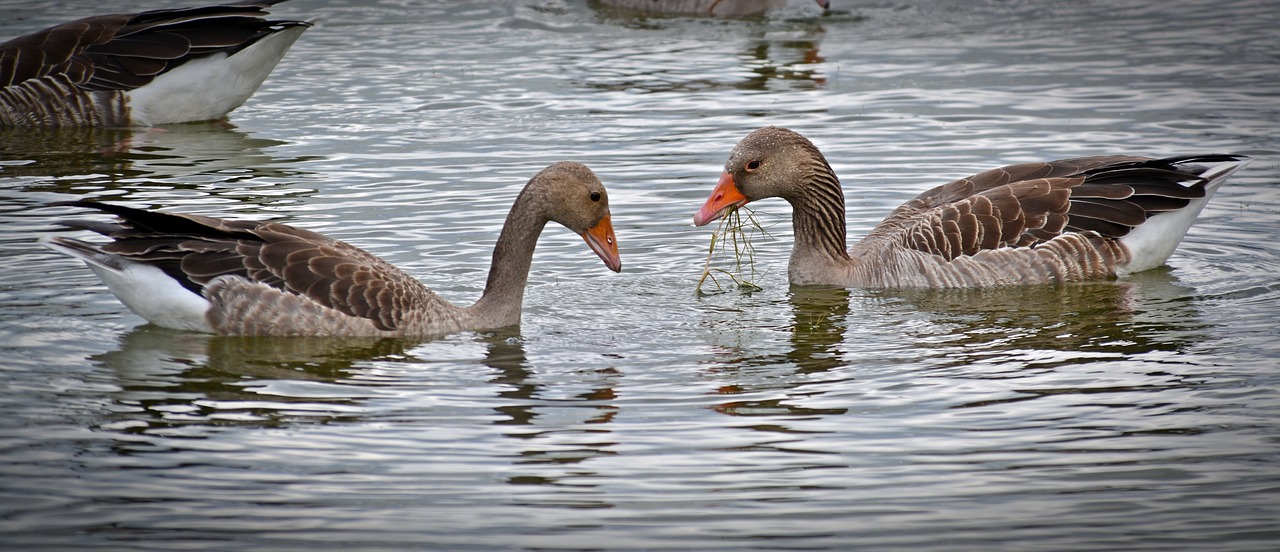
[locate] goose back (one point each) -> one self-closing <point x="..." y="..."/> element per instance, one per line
<point x="1058" y="221"/>
<point x="269" y="278"/>
<point x="82" y="73"/>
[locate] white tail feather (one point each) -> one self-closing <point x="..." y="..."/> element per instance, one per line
<point x="145" y="289"/>
<point x="209" y="88"/>
<point x="1153" y="242"/>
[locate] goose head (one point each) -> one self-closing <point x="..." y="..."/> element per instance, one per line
<point x="770" y="162"/>
<point x="573" y="196"/>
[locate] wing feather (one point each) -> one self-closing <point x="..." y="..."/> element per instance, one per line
<point x="126" y="51"/>
<point x="1028" y="204"/>
<point x="197" y="250"/>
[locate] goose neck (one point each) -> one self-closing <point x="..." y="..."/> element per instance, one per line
<point x="818" y="217"/>
<point x="509" y="270"/>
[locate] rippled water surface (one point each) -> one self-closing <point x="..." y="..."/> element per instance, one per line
<point x="626" y="412"/>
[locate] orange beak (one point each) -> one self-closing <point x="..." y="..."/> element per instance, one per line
<point x="601" y="240"/>
<point x="726" y="196"/>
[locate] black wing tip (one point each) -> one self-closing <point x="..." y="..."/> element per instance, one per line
<point x="146" y="220"/>
<point x="1175" y="161"/>
<point x="1184" y="166"/>
<point x="112" y="208"/>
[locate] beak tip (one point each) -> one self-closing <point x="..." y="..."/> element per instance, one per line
<point x="702" y="217"/>
<point x="601" y="241"/>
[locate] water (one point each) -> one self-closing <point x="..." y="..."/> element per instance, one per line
<point x="626" y="412"/>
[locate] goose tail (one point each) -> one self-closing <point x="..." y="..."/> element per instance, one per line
<point x="145" y="289"/>
<point x="1153" y="242"/>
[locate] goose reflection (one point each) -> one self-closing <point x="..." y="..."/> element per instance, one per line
<point x="551" y="434"/>
<point x="817" y="333"/>
<point x="58" y="153"/>
<point x="168" y="379"/>
<point x="765" y="66"/>
<point x="1020" y="334"/>
<point x="1146" y="313"/>
<point x="526" y="402"/>
<point x="766" y="61"/>
<point x="64" y="159"/>
<point x="505" y="354"/>
<point x="706" y="8"/>
<point x="993" y="333"/>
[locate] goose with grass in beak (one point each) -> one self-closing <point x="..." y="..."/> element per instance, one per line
<point x="1070" y="220"/>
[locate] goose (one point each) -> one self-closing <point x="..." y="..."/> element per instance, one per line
<point x="1087" y="218"/>
<point x="144" y="69"/>
<point x="242" y="277"/>
<point x="728" y="8"/>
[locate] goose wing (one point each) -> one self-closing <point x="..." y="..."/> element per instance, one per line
<point x="126" y="51"/>
<point x="1028" y="204"/>
<point x="195" y="250"/>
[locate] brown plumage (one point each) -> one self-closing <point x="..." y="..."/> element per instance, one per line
<point x="85" y="72"/>
<point x="267" y="278"/>
<point x="1058" y="221"/>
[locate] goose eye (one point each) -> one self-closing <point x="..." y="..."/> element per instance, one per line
<point x="595" y="196"/>
<point x="753" y="165"/>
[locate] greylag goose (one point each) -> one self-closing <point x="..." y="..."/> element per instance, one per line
<point x="241" y="277"/>
<point x="150" y="68"/>
<point x="727" y="8"/>
<point x="1078" y="219"/>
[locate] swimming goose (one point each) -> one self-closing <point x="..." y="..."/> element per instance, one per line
<point x="1070" y="220"/>
<point x="728" y="8"/>
<point x="150" y="68"/>
<point x="241" y="277"/>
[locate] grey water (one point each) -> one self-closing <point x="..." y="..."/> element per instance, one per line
<point x="627" y="412"/>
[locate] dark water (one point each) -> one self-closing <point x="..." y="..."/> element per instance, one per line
<point x="626" y="413"/>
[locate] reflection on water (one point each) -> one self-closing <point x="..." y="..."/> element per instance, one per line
<point x="735" y="9"/>
<point x="190" y="155"/>
<point x="55" y="153"/>
<point x="778" y="54"/>
<point x="1145" y="313"/>
<point x="1006" y="333"/>
<point x="819" y="322"/>
<point x="505" y="354"/>
<point x="1020" y="333"/>
<point x="575" y="429"/>
<point x="171" y="379"/>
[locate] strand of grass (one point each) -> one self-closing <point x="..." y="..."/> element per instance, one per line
<point x="739" y="234"/>
<point x="745" y="246"/>
<point x="749" y="248"/>
<point x="706" y="267"/>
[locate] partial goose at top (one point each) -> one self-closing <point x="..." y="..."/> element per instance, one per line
<point x="1087" y="218"/>
<point x="144" y="69"/>
<point x="240" y="277"/>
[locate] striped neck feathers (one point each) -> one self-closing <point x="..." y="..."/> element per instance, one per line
<point x="818" y="211"/>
